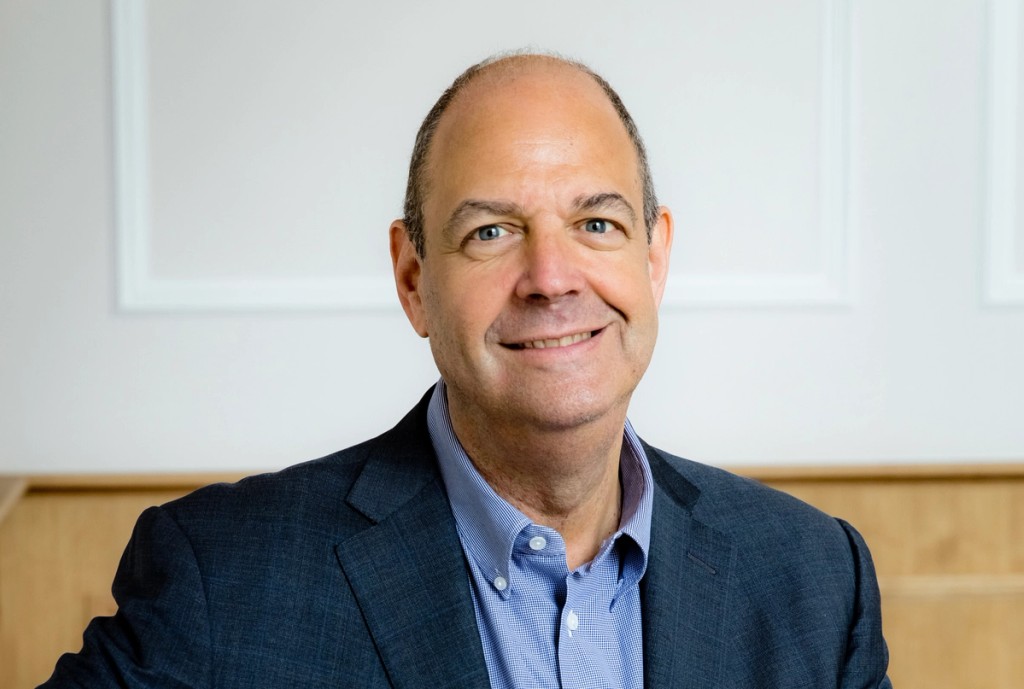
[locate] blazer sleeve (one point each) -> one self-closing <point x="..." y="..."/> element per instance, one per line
<point x="160" y="635"/>
<point x="867" y="657"/>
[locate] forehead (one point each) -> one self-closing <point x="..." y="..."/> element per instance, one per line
<point x="527" y="120"/>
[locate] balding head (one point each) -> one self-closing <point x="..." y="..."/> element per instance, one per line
<point x="498" y="71"/>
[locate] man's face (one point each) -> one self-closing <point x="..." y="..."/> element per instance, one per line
<point x="538" y="288"/>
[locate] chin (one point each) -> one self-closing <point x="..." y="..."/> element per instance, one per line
<point x="568" y="411"/>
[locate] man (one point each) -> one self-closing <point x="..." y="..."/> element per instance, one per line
<point x="512" y="530"/>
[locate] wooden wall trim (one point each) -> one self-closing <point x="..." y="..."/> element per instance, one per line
<point x="945" y="586"/>
<point x="884" y="472"/>
<point x="817" y="472"/>
<point x="53" y="483"/>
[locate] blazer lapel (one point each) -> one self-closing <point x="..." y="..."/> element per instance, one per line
<point x="407" y="570"/>
<point x="683" y="594"/>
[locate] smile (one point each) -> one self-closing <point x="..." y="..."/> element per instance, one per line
<point x="554" y="342"/>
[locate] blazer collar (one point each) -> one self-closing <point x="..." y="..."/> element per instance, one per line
<point x="407" y="570"/>
<point x="408" y="573"/>
<point x="683" y="595"/>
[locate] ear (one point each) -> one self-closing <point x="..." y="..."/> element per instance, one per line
<point x="659" y="251"/>
<point x="407" y="266"/>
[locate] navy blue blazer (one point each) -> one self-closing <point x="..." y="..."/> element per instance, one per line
<point x="347" y="572"/>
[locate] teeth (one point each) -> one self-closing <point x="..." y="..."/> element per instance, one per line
<point x="560" y="342"/>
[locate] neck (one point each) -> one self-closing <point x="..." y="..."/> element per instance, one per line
<point x="565" y="479"/>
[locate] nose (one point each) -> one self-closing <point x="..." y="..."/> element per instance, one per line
<point x="551" y="265"/>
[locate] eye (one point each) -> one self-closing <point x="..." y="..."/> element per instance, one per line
<point x="489" y="232"/>
<point x="597" y="226"/>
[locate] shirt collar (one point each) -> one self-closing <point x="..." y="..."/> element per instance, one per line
<point x="489" y="525"/>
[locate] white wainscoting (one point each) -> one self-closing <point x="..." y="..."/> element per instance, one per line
<point x="1004" y="280"/>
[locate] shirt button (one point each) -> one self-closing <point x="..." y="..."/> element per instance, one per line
<point x="538" y="543"/>
<point x="500" y="583"/>
<point x="572" y="621"/>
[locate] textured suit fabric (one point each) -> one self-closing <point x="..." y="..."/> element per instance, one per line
<point x="347" y="572"/>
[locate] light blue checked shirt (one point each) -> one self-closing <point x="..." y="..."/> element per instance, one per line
<point x="542" y="625"/>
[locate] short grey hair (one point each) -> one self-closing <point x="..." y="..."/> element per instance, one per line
<point x="416" y="187"/>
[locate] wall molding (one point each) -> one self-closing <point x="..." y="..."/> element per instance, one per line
<point x="945" y="586"/>
<point x="1003" y="282"/>
<point x="830" y="286"/>
<point x="139" y="290"/>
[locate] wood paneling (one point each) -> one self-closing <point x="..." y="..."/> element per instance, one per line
<point x="969" y="641"/>
<point x="949" y="550"/>
<point x="948" y="544"/>
<point x="58" y="553"/>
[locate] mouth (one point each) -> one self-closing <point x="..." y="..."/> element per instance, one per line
<point x="555" y="342"/>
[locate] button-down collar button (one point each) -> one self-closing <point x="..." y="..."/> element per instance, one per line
<point x="538" y="543"/>
<point x="500" y="583"/>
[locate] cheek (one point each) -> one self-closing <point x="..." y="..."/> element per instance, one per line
<point x="627" y="287"/>
<point x="461" y="309"/>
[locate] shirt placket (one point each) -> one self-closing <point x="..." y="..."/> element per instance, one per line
<point x="584" y="615"/>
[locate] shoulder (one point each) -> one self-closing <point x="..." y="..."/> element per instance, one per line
<point x="309" y="486"/>
<point x="322" y="490"/>
<point x="802" y="585"/>
<point x="309" y="505"/>
<point x="794" y="572"/>
<point x="760" y="521"/>
<point x="268" y="522"/>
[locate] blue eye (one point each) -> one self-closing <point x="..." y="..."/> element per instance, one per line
<point x="597" y="226"/>
<point x="489" y="232"/>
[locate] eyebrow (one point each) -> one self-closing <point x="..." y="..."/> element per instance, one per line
<point x="471" y="207"/>
<point x="608" y="200"/>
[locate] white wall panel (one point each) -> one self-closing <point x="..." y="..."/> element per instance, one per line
<point x="241" y="151"/>
<point x="754" y="143"/>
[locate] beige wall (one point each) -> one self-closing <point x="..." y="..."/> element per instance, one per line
<point x="194" y="198"/>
